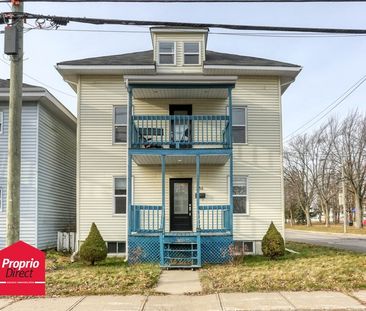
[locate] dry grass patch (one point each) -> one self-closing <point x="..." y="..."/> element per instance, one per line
<point x="110" y="277"/>
<point x="315" y="268"/>
<point x="332" y="228"/>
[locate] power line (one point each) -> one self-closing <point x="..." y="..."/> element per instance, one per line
<point x="42" y="83"/>
<point x="322" y="114"/>
<point x="64" y="20"/>
<point x="192" y="1"/>
<point x="254" y="34"/>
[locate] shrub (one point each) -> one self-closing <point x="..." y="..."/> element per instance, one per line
<point x="94" y="248"/>
<point x="273" y="245"/>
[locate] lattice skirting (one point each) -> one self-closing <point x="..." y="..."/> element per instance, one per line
<point x="143" y="249"/>
<point x="216" y="249"/>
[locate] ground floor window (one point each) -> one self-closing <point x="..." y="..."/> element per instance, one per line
<point x="243" y="247"/>
<point x="116" y="247"/>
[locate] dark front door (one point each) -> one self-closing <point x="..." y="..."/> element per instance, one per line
<point x="181" y="204"/>
<point x="180" y="127"/>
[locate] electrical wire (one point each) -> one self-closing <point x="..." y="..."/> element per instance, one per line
<point x="322" y="114"/>
<point x="42" y="83"/>
<point x="192" y="1"/>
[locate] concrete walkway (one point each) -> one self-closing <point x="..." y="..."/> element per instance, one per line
<point x="218" y="302"/>
<point x="179" y="282"/>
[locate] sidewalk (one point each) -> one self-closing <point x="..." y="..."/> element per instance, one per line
<point x="218" y="302"/>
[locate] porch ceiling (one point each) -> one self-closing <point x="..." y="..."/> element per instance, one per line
<point x="214" y="159"/>
<point x="195" y="93"/>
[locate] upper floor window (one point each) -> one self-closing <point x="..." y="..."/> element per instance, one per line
<point x="191" y="53"/>
<point x="166" y="53"/>
<point x="120" y="195"/>
<point x="120" y="124"/>
<point x="239" y="124"/>
<point x="1" y="122"/>
<point x="240" y="194"/>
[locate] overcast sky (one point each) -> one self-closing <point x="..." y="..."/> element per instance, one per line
<point x="330" y="65"/>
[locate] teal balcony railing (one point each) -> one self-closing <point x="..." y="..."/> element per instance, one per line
<point x="146" y="219"/>
<point x="180" y="131"/>
<point x="215" y="218"/>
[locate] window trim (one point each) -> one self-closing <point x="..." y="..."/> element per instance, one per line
<point x="247" y="213"/>
<point x="1" y="122"/>
<point x="245" y="125"/>
<point x="119" y="196"/>
<point x="199" y="53"/>
<point x="174" y="53"/>
<point x="114" y="126"/>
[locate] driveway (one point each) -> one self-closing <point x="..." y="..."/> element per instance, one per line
<point x="351" y="242"/>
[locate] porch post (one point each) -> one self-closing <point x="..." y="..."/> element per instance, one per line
<point x="231" y="191"/>
<point x="229" y="90"/>
<point x="130" y="124"/>
<point x="129" y="196"/>
<point x="163" y="193"/>
<point x="198" y="227"/>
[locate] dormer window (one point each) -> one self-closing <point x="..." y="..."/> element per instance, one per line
<point x="166" y="53"/>
<point x="191" y="53"/>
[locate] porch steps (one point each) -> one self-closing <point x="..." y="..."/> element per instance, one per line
<point x="180" y="251"/>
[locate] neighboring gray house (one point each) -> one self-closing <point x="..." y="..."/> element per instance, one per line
<point x="48" y="171"/>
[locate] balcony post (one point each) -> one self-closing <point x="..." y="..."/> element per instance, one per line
<point x="129" y="196"/>
<point x="229" y="90"/>
<point x="198" y="226"/>
<point x="163" y="193"/>
<point x="130" y="125"/>
<point x="231" y="192"/>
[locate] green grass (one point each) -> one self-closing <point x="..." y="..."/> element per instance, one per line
<point x="332" y="228"/>
<point x="110" y="277"/>
<point x="315" y="268"/>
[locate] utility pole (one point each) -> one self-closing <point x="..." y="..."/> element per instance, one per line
<point x="345" y="216"/>
<point x="14" y="137"/>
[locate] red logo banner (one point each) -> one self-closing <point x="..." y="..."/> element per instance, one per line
<point x="22" y="271"/>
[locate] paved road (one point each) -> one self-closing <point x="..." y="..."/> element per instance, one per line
<point x="352" y="242"/>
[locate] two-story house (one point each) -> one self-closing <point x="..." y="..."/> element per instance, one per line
<point x="48" y="167"/>
<point x="179" y="149"/>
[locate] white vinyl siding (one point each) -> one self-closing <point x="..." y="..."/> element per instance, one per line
<point x="56" y="177"/>
<point x="99" y="159"/>
<point x="1" y="200"/>
<point x="28" y="188"/>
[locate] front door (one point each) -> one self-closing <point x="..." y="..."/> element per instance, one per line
<point x="181" y="128"/>
<point x="181" y="204"/>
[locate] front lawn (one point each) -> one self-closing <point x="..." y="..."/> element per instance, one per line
<point x="332" y="228"/>
<point x="110" y="277"/>
<point x="315" y="268"/>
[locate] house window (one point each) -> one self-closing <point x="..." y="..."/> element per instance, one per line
<point x="1" y="122"/>
<point x="240" y="194"/>
<point x="243" y="247"/>
<point x="239" y="124"/>
<point x="116" y="247"/>
<point x="166" y="53"/>
<point x="120" y="195"/>
<point x="120" y="124"/>
<point x="191" y="53"/>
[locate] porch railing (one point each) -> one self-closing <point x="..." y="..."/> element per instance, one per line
<point x="180" y="131"/>
<point x="146" y="219"/>
<point x="215" y="218"/>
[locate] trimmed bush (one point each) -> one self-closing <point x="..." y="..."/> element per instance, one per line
<point x="94" y="248"/>
<point x="273" y="245"/>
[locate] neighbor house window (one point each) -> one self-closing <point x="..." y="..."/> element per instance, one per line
<point x="240" y="194"/>
<point x="120" y="124"/>
<point x="191" y="53"/>
<point x="120" y="195"/>
<point x="1" y="122"/>
<point x="166" y="53"/>
<point x="239" y="124"/>
<point x="116" y="247"/>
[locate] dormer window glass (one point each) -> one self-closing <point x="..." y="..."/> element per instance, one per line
<point x="166" y="53"/>
<point x="191" y="53"/>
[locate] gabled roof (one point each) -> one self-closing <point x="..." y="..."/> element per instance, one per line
<point x="146" y="58"/>
<point x="5" y="84"/>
